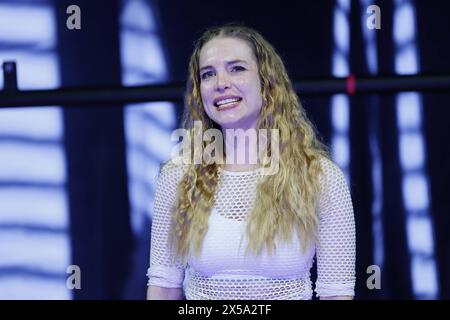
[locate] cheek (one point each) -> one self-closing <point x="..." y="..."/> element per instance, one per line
<point x="202" y="92"/>
<point x="251" y="86"/>
<point x="254" y="88"/>
<point x="206" y="97"/>
<point x="205" y="92"/>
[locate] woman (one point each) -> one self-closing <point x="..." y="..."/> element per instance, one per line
<point x="226" y="230"/>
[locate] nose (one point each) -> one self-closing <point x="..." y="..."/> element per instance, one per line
<point x="223" y="81"/>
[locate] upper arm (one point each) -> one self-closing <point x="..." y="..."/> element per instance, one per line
<point x="165" y="270"/>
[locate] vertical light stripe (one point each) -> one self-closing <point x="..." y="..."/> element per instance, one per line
<point x="374" y="147"/>
<point x="340" y="149"/>
<point x="415" y="189"/>
<point x="34" y="222"/>
<point x="148" y="126"/>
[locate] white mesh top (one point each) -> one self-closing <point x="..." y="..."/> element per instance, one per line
<point x="223" y="271"/>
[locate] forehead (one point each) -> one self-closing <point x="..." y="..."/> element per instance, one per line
<point x="225" y="49"/>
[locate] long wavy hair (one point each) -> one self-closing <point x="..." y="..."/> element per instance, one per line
<point x="285" y="201"/>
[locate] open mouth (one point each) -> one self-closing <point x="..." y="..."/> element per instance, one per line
<point x="227" y="103"/>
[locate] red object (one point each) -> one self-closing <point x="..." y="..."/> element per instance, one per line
<point x="351" y="84"/>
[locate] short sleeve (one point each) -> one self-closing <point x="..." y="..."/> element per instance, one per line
<point x="164" y="270"/>
<point x="336" y="247"/>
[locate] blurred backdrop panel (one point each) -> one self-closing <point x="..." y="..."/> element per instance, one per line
<point x="148" y="126"/>
<point x="95" y="146"/>
<point x="35" y="238"/>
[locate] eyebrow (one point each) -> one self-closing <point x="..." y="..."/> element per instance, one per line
<point x="228" y="63"/>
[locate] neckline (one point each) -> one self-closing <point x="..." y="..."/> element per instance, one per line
<point x="239" y="173"/>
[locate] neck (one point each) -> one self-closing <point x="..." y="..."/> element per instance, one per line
<point x="241" y="147"/>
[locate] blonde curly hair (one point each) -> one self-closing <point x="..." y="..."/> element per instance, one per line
<point x="286" y="201"/>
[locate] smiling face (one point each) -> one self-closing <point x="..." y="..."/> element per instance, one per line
<point x="229" y="83"/>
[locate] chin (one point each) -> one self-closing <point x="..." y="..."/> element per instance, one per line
<point x="229" y="119"/>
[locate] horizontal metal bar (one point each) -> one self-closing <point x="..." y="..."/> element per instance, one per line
<point x="92" y="96"/>
<point x="378" y="84"/>
<point x="174" y="92"/>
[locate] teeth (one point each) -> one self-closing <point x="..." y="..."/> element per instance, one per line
<point x="222" y="102"/>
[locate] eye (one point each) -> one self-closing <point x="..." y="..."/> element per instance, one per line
<point x="206" y="75"/>
<point x="238" y="68"/>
